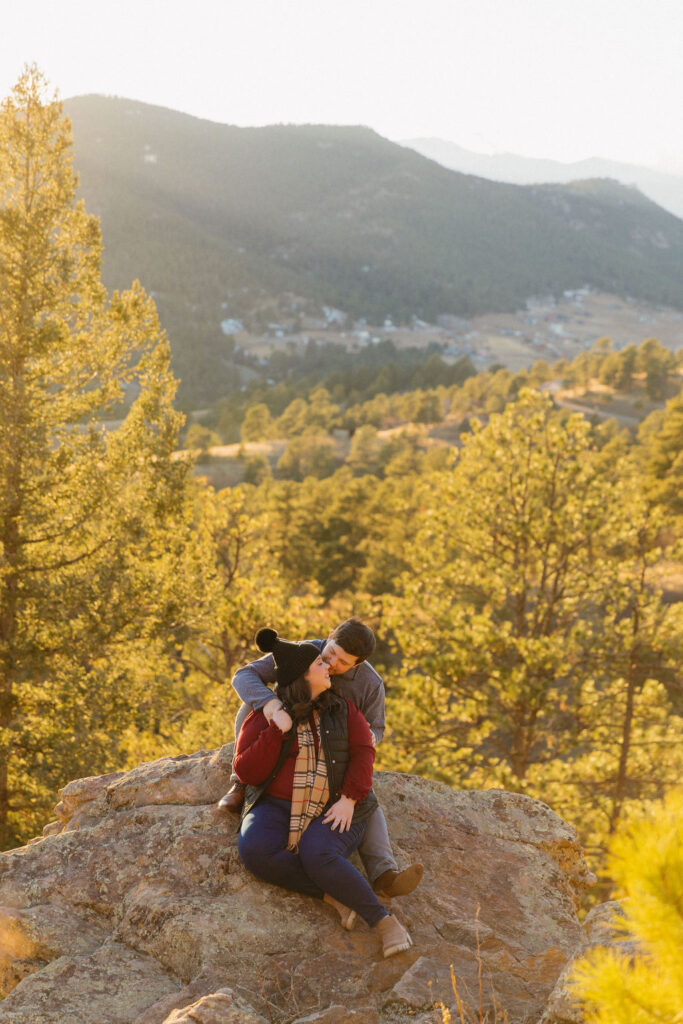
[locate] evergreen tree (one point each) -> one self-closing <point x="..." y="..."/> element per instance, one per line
<point x="611" y="369"/>
<point x="534" y="654"/>
<point x="661" y="456"/>
<point x="645" y="987"/>
<point x="365" y="451"/>
<point x="199" y="439"/>
<point x="294" y="419"/>
<point x="627" y="357"/>
<point x="308" y="455"/>
<point x="88" y="599"/>
<point x="626" y="729"/>
<point x="257" y="424"/>
<point x="230" y="562"/>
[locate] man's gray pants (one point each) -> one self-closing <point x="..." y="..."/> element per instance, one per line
<point x="375" y="848"/>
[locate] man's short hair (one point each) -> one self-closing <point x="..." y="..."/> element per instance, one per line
<point x="355" y="637"/>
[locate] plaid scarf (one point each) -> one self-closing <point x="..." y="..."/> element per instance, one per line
<point x="310" y="791"/>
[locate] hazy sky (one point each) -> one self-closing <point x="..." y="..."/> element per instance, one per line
<point x="565" y="79"/>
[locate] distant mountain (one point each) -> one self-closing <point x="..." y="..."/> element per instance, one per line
<point x="664" y="189"/>
<point x="265" y="224"/>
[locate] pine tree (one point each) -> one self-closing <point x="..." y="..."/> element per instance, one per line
<point x="257" y="424"/>
<point x="534" y="652"/>
<point x="662" y="456"/>
<point x="229" y="561"/>
<point x="89" y="490"/>
<point x="645" y="988"/>
<point x="508" y="569"/>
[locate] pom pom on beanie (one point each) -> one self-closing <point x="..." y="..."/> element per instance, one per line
<point x="292" y="660"/>
<point x="266" y="640"/>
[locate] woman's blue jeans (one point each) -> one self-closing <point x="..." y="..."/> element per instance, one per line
<point x="321" y="865"/>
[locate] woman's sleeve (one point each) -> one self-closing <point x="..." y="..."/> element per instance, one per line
<point x="258" y="748"/>
<point x="358" y="778"/>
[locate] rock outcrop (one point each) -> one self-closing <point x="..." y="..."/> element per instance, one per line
<point x="600" y="928"/>
<point x="134" y="908"/>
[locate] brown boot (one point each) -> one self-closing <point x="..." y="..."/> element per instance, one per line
<point x="393" y="935"/>
<point x="346" y="914"/>
<point x="233" y="799"/>
<point x="398" y="883"/>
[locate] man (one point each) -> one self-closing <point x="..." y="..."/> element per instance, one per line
<point x="345" y="652"/>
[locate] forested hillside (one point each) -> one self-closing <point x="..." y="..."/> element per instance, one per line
<point x="517" y="583"/>
<point x="267" y="223"/>
<point x="524" y="575"/>
<point x="522" y="568"/>
<point x="330" y="406"/>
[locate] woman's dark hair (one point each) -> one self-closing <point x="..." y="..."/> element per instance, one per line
<point x="298" y="702"/>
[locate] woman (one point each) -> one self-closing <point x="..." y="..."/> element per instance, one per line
<point x="309" y="791"/>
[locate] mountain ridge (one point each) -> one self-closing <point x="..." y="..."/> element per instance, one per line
<point x="664" y="189"/>
<point x="269" y="224"/>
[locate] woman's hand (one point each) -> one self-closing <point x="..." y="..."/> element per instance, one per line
<point x="275" y="712"/>
<point x="282" y="720"/>
<point x="340" y="814"/>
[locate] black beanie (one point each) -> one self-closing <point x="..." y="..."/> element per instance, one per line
<point x="291" y="659"/>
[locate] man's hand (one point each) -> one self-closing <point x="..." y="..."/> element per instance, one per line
<point x="340" y="814"/>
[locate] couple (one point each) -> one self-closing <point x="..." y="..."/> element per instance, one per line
<point x="303" y="770"/>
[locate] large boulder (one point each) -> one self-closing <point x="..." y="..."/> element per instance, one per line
<point x="134" y="908"/>
<point x="602" y="927"/>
